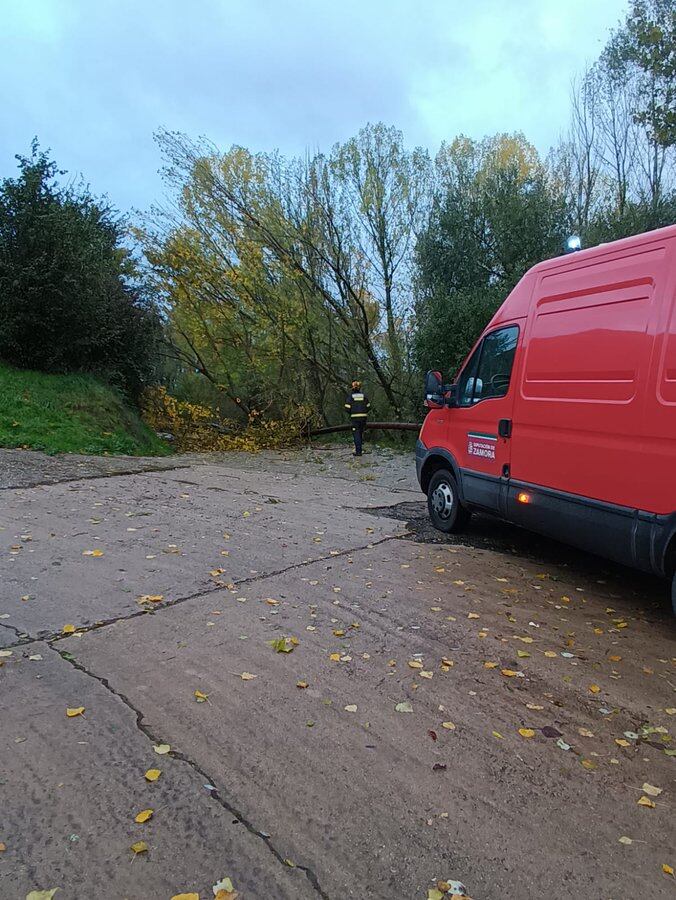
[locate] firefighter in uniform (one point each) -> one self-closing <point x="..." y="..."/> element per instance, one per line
<point x="357" y="405"/>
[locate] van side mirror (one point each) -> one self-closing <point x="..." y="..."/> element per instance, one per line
<point x="434" y="390"/>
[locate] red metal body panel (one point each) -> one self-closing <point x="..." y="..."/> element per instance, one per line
<point x="592" y="395"/>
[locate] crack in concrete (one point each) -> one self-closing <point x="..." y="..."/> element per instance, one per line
<point x="24" y="636"/>
<point x="95" y="626"/>
<point x="215" y="794"/>
<point x="118" y="474"/>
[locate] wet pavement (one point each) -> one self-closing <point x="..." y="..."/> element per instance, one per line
<point x="354" y="705"/>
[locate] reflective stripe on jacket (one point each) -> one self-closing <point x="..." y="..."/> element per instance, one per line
<point x="357" y="405"/>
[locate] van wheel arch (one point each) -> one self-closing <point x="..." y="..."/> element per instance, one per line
<point x="432" y="466"/>
<point x="670" y="569"/>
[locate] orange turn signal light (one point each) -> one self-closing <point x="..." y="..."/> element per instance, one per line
<point x="523" y="498"/>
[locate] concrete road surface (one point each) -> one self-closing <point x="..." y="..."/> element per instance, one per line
<point x="491" y="709"/>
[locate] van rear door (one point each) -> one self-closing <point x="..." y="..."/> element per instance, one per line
<point x="480" y="426"/>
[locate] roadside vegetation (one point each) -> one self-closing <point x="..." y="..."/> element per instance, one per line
<point x="70" y="414"/>
<point x="266" y="284"/>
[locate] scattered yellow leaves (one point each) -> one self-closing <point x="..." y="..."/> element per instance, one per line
<point x="335" y="657"/>
<point x="490" y="665"/>
<point x="588" y="763"/>
<point x="526" y="732"/>
<point x="646" y="801"/>
<point x="449" y="725"/>
<point x="426" y="674"/>
<point x="72" y="711"/>
<point x="351" y="708"/>
<point x="150" y="598"/>
<point x="614" y="658"/>
<point x="192" y="896"/>
<point x="201" y="697"/>
<point x="585" y="732"/>
<point x="668" y="870"/>
<point x="41" y="895"/>
<point x="594" y="689"/>
<point x="508" y="673"/>
<point x="473" y="616"/>
<point x="302" y="685"/>
<point x="522" y="654"/>
<point x="161" y="749"/>
<point x="3" y="846"/>
<point x="153" y="774"/>
<point x="143" y="816"/>
<point x="496" y="734"/>
<point x="525" y="640"/>
<point x="93" y="553"/>
<point x="247" y="676"/>
<point x="622" y="743"/>
<point x="551" y="653"/>
<point x="534" y="706"/>
<point x="415" y="664"/>
<point x="68" y="629"/>
<point x="139" y="847"/>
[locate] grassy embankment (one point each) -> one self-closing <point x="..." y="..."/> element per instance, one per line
<point x="70" y="414"/>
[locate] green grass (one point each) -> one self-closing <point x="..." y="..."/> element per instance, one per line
<point x="70" y="414"/>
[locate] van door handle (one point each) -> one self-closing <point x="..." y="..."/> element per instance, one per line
<point x="505" y="428"/>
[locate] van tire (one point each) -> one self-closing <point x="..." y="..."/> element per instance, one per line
<point x="443" y="503"/>
<point x="673" y="591"/>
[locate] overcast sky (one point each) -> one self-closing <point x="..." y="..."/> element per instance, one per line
<point x="93" y="79"/>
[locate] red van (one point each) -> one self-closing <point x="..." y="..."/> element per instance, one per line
<point x="563" y="417"/>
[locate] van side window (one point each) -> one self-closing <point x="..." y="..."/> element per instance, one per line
<point x="488" y="372"/>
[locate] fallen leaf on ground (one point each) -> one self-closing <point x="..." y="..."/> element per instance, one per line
<point x="150" y="598"/>
<point x="192" y="896"/>
<point x="625" y="840"/>
<point x="225" y="886"/>
<point x="283" y="645"/>
<point x="622" y="743"/>
<point x="588" y="763"/>
<point x="41" y="895"/>
<point x="302" y="684"/>
<point x="491" y="665"/>
<point x="585" y="732"/>
<point x="143" y="816"/>
<point x="247" y="676"/>
<point x="415" y="664"/>
<point x="509" y="673"/>
<point x="473" y="616"/>
<point x="668" y="870"/>
<point x="351" y="707"/>
<point x="496" y="734"/>
<point x="594" y="689"/>
<point x="6" y="653"/>
<point x="526" y="732"/>
<point x="646" y="801"/>
<point x="434" y="894"/>
<point x="550" y="653"/>
<point x="335" y="657"/>
<point x="93" y="553"/>
<point x="72" y="711"/>
<point x="3" y="846"/>
<point x="651" y="790"/>
<point x="522" y="654"/>
<point x="139" y="847"/>
<point x="525" y="640"/>
<point x="426" y="674"/>
<point x="201" y="697"/>
<point x="404" y="707"/>
<point x="68" y="629"/>
<point x="161" y="749"/>
<point x="153" y="774"/>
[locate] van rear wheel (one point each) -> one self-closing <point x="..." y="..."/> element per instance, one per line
<point x="673" y="591"/>
<point x="443" y="503"/>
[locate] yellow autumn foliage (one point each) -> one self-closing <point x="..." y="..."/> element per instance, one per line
<point x="192" y="426"/>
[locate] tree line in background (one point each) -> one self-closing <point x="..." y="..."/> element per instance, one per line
<point x="277" y="280"/>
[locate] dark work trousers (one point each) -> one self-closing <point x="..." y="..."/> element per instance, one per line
<point x="358" y="434"/>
